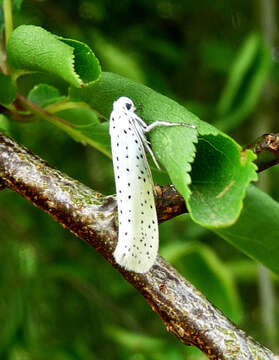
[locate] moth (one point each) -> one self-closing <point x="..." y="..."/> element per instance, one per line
<point x="138" y="234"/>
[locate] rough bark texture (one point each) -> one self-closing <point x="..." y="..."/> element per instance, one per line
<point x="91" y="216"/>
<point x="266" y="147"/>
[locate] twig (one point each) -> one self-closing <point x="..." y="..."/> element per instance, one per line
<point x="41" y="112"/>
<point x="91" y="216"/>
<point x="266" y="147"/>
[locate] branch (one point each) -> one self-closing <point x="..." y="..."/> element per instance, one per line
<point x="91" y="216"/>
<point x="266" y="147"/>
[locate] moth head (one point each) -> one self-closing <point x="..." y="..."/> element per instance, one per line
<point x="125" y="104"/>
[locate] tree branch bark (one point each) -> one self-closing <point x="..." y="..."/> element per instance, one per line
<point x="266" y="147"/>
<point x="91" y="216"/>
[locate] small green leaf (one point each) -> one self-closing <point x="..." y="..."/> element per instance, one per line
<point x="214" y="201"/>
<point x="4" y="124"/>
<point x="44" y="94"/>
<point x="31" y="48"/>
<point x="256" y="232"/>
<point x="86" y="128"/>
<point x="82" y="123"/>
<point x="7" y="89"/>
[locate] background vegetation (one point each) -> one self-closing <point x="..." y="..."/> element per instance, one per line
<point x="59" y="299"/>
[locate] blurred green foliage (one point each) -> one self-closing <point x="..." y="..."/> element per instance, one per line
<point x="60" y="300"/>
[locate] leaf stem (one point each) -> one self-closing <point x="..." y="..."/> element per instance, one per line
<point x="8" y="16"/>
<point x="37" y="110"/>
<point x="61" y="123"/>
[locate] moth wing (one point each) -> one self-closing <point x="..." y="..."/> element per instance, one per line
<point x="138" y="237"/>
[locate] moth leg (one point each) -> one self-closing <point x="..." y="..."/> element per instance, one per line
<point x="139" y="121"/>
<point x="140" y="131"/>
<point x="155" y="124"/>
<point x="148" y="148"/>
<point x="165" y="123"/>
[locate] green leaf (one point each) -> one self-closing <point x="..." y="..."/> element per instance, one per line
<point x="215" y="200"/>
<point x="86" y="128"/>
<point x="81" y="117"/>
<point x="44" y="94"/>
<point x="220" y="175"/>
<point x="207" y="273"/>
<point x="100" y="134"/>
<point x="256" y="232"/>
<point x="31" y="48"/>
<point x="4" y="124"/>
<point x="245" y="82"/>
<point x="86" y="64"/>
<point x="7" y="89"/>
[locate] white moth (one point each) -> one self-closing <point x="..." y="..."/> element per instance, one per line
<point x="138" y="235"/>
